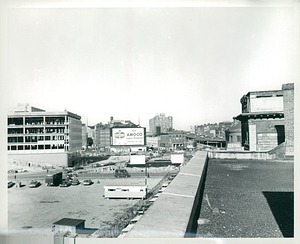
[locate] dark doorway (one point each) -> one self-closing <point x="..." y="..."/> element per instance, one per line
<point x="280" y="133"/>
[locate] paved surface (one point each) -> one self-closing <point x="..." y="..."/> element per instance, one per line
<point x="169" y="216"/>
<point x="248" y="198"/>
<point x="41" y="207"/>
<point x="110" y="175"/>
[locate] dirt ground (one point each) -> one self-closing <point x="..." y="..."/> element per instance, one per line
<point x="40" y="207"/>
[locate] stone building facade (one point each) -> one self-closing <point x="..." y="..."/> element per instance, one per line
<point x="102" y="137"/>
<point x="233" y="136"/>
<point x="173" y="140"/>
<point x="160" y="124"/>
<point x="267" y="119"/>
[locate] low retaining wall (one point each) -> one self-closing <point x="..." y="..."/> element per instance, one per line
<point x="176" y="211"/>
<point x="239" y="155"/>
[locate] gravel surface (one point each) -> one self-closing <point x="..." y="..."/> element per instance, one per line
<point x="40" y="207"/>
<point x="248" y="198"/>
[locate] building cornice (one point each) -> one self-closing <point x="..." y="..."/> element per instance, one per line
<point x="260" y="115"/>
<point x="37" y="114"/>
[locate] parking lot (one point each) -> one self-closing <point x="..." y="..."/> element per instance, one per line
<point x="34" y="210"/>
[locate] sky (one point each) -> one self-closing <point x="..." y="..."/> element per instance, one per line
<point x="131" y="63"/>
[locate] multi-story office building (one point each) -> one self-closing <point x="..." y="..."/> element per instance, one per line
<point x="160" y="124"/>
<point x="102" y="136"/>
<point x="84" y="136"/>
<point x="173" y="140"/>
<point x="39" y="137"/>
<point x="212" y="130"/>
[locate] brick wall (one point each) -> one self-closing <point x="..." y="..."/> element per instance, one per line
<point x="288" y="106"/>
<point x="266" y="141"/>
<point x="266" y="134"/>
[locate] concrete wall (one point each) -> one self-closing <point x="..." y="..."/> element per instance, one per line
<point x="36" y="160"/>
<point x="176" y="211"/>
<point x="75" y="134"/>
<point x="234" y="146"/>
<point x="239" y="155"/>
<point x="288" y="104"/>
<point x="266" y="137"/>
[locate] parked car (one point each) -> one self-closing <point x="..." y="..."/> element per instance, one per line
<point x="172" y="176"/>
<point x="68" y="171"/>
<point x="65" y="183"/>
<point x="72" y="175"/>
<point x="34" y="183"/>
<point x="75" y="182"/>
<point x="87" y="182"/>
<point x="77" y="167"/>
<point x="121" y="173"/>
<point x="10" y="184"/>
<point x="165" y="185"/>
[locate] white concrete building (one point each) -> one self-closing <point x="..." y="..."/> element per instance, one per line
<point x="36" y="136"/>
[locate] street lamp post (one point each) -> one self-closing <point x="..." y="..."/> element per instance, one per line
<point x="146" y="174"/>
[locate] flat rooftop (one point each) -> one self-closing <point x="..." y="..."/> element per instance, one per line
<point x="248" y="198"/>
<point x="69" y="222"/>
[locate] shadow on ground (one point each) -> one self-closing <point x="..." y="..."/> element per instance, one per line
<point x="282" y="207"/>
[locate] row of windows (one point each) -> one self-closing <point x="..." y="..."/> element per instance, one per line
<point x="232" y="139"/>
<point x="34" y="138"/>
<point x="35" y="147"/>
<point x="37" y="120"/>
<point x="36" y="130"/>
<point x="175" y="136"/>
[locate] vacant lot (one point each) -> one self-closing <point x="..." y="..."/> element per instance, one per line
<point x="41" y="207"/>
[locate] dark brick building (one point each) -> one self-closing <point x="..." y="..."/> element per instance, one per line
<point x="267" y="119"/>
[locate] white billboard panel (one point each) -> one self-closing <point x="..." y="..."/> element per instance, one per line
<point x="137" y="159"/>
<point x="177" y="158"/>
<point x="266" y="104"/>
<point x="128" y="136"/>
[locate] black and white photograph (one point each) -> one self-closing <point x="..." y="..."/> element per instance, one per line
<point x="149" y="120"/>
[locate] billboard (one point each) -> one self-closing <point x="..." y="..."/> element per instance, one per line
<point x="137" y="159"/>
<point x="177" y="158"/>
<point x="128" y="136"/>
<point x="266" y="104"/>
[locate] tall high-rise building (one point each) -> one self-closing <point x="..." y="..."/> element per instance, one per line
<point x="160" y="124"/>
<point x="102" y="137"/>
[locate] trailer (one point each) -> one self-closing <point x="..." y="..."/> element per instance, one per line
<point x="53" y="179"/>
<point x="128" y="192"/>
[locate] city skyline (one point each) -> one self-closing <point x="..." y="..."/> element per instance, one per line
<point x="193" y="64"/>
